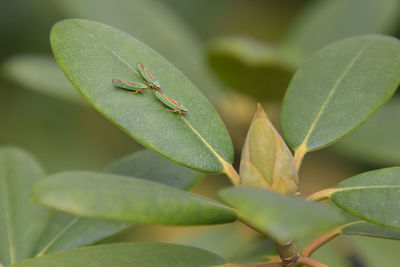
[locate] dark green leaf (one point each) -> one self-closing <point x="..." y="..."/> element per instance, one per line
<point x="21" y="222"/>
<point x="128" y="255"/>
<point x="150" y="166"/>
<point x="92" y="54"/>
<point x="364" y="228"/>
<point x="338" y="89"/>
<point x="373" y="196"/>
<point x="377" y="141"/>
<point x="254" y="68"/>
<point x="127" y="199"/>
<point x="328" y="21"/>
<point x="165" y="32"/>
<point x="41" y="74"/>
<point x="278" y="216"/>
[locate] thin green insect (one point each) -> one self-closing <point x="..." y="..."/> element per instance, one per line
<point x="135" y="87"/>
<point x="170" y="103"/>
<point x="149" y="78"/>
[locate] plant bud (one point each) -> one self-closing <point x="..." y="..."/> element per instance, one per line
<point x="266" y="160"/>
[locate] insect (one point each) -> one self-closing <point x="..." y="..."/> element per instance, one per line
<point x="170" y="103"/>
<point x="150" y="79"/>
<point x="135" y="87"/>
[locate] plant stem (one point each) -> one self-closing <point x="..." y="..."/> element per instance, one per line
<point x="321" y="195"/>
<point x="302" y="261"/>
<point x="320" y="241"/>
<point x="299" y="155"/>
<point x="309" y="262"/>
<point x="288" y="253"/>
<point x="231" y="173"/>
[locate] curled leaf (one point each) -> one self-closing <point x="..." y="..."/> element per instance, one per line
<point x="266" y="160"/>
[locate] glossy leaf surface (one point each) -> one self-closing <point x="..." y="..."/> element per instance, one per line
<point x="66" y="231"/>
<point x="92" y="54"/>
<point x="373" y="196"/>
<point x="339" y="88"/>
<point x="165" y="32"/>
<point x="127" y="199"/>
<point x="280" y="217"/>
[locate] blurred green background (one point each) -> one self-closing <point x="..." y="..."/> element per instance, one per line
<point x="238" y="52"/>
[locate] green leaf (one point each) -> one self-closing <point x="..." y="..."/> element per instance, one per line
<point x="278" y="216"/>
<point x="263" y="251"/>
<point x="254" y="68"/>
<point x="377" y="141"/>
<point x="150" y="166"/>
<point x="373" y="196"/>
<point x="324" y="22"/>
<point x="127" y="255"/>
<point x="40" y="74"/>
<point x="21" y="222"/>
<point x="165" y="32"/>
<point x="65" y="231"/>
<point x="364" y="228"/>
<point x="339" y="88"/>
<point x="127" y="199"/>
<point x="92" y="54"/>
<point x="228" y="241"/>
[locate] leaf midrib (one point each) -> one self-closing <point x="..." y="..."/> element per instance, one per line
<point x="330" y="95"/>
<point x="7" y="213"/>
<point x="57" y="236"/>
<point x="340" y="189"/>
<point x="215" y="153"/>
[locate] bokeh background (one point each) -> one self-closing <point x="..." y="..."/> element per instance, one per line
<point x="238" y="52"/>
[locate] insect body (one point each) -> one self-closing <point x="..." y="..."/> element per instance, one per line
<point x="150" y="79"/>
<point x="170" y="103"/>
<point x="135" y="87"/>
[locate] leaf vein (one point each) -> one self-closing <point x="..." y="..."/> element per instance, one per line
<point x="51" y="242"/>
<point x="365" y="187"/>
<point x="109" y="49"/>
<point x="223" y="162"/>
<point x="331" y="93"/>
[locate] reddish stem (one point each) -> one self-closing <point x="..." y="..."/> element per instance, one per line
<point x="320" y="241"/>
